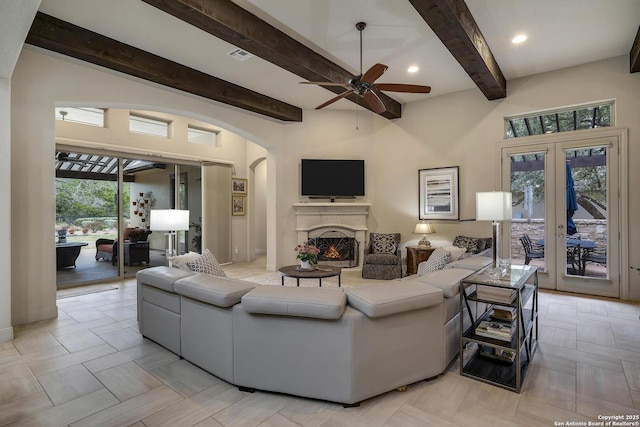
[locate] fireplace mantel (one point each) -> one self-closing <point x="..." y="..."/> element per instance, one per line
<point x="311" y="218"/>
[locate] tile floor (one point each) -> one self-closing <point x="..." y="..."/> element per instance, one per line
<point x="90" y="367"/>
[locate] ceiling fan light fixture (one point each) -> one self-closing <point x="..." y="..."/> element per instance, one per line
<point x="413" y="69"/>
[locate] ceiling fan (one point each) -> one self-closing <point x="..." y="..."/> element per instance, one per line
<point x="66" y="157"/>
<point x="363" y="84"/>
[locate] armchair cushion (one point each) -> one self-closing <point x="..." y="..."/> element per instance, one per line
<point x="381" y="259"/>
<point x="384" y="243"/>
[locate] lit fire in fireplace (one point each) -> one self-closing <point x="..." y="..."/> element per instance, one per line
<point x="331" y="253"/>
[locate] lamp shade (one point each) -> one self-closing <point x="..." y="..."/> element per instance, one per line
<point x="169" y="220"/>
<point x="424" y="228"/>
<point x="493" y="206"/>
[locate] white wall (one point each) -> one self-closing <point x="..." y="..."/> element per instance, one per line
<point x="6" y="331"/>
<point x="459" y="129"/>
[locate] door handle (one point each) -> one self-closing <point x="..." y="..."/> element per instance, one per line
<point x="560" y="227"/>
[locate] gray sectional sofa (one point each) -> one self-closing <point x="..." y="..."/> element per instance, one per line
<point x="340" y="345"/>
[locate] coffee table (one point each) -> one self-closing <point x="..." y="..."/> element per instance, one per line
<point x="320" y="272"/>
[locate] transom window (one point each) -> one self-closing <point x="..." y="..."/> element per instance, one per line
<point x="202" y="136"/>
<point x="85" y="115"/>
<point x="148" y="126"/>
<point x="553" y="121"/>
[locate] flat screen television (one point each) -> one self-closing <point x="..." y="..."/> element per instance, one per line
<point x="332" y="178"/>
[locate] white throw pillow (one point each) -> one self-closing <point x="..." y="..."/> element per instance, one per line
<point x="181" y="260"/>
<point x="455" y="251"/>
<point x="438" y="259"/>
<point x="206" y="263"/>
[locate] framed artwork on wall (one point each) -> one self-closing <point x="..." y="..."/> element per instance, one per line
<point x="439" y="197"/>
<point x="239" y="185"/>
<point x="238" y="205"/>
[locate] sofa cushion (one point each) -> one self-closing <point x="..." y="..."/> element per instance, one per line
<point x="219" y="291"/>
<point x="161" y="277"/>
<point x="448" y="280"/>
<point x="180" y="261"/>
<point x="206" y="263"/>
<point x="383" y="243"/>
<point x="381" y="259"/>
<point x="436" y="261"/>
<point x="385" y="299"/>
<point x="472" y="263"/>
<point x="301" y="302"/>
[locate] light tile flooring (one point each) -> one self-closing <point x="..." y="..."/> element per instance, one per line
<point x="90" y="367"/>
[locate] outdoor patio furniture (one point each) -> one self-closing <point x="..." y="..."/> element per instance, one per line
<point x="531" y="250"/>
<point x="67" y="254"/>
<point x="108" y="248"/>
<point x="597" y="256"/>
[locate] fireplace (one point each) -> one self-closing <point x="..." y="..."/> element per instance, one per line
<point x="334" y="221"/>
<point x="336" y="248"/>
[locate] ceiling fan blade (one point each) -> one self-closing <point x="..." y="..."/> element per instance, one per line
<point x="399" y="87"/>
<point x="325" y="84"/>
<point x="375" y="102"/>
<point x="374" y="73"/>
<point x="332" y="100"/>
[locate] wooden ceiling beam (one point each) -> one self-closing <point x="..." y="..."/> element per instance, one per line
<point x="454" y="25"/>
<point x="63" y="37"/>
<point x="233" y="24"/>
<point x="634" y="55"/>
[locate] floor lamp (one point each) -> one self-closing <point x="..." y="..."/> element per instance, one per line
<point x="494" y="206"/>
<point x="171" y="221"/>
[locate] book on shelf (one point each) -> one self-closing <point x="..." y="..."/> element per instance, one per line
<point x="497" y="330"/>
<point x="500" y="354"/>
<point x="506" y="314"/>
<point x="491" y="293"/>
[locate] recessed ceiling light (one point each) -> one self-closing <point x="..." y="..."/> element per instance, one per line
<point x="518" y="39"/>
<point x="413" y="69"/>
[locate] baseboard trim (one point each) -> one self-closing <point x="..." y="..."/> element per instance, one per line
<point x="6" y="334"/>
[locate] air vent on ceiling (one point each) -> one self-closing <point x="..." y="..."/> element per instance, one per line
<point x="239" y="54"/>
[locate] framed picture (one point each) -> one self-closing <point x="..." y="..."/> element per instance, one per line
<point x="238" y="205"/>
<point x="239" y="185"/>
<point x="439" y="197"/>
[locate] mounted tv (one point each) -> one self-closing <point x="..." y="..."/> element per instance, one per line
<point x="332" y="178"/>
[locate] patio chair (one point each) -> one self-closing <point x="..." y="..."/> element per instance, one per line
<point x="108" y="248"/>
<point x="531" y="250"/>
<point x="597" y="256"/>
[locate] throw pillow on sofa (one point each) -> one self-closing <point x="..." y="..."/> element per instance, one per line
<point x="206" y="263"/>
<point x="438" y="259"/>
<point x="469" y="243"/>
<point x="455" y="251"/>
<point x="180" y="261"/>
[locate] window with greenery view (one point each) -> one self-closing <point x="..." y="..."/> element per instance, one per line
<point x="565" y="120"/>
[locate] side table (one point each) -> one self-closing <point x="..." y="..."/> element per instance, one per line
<point x="415" y="255"/>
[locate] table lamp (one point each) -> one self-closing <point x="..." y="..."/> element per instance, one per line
<point x="494" y="206"/>
<point x="424" y="229"/>
<point x="171" y="221"/>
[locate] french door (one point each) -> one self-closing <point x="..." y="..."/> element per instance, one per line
<point x="567" y="213"/>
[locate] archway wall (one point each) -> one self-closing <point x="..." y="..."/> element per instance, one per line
<point x="42" y="81"/>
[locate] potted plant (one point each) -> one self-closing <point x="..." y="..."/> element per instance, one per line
<point x="308" y="255"/>
<point x="137" y="234"/>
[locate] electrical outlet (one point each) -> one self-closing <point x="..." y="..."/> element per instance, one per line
<point x="235" y="250"/>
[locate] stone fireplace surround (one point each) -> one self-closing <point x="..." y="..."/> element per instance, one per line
<point x="314" y="219"/>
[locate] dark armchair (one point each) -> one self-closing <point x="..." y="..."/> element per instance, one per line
<point x="108" y="248"/>
<point x="382" y="257"/>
